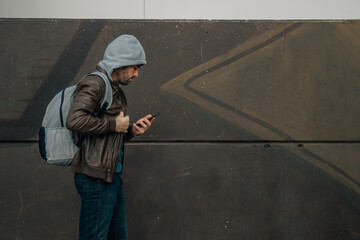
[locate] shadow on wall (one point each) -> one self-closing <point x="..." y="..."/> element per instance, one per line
<point x="296" y="82"/>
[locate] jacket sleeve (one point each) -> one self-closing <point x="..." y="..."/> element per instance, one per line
<point x="129" y="135"/>
<point x="82" y="114"/>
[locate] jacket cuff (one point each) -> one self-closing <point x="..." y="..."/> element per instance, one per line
<point x="130" y="131"/>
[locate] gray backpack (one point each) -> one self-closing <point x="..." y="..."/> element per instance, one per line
<point x="56" y="142"/>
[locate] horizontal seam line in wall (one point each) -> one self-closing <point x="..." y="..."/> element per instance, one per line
<point x="268" y="142"/>
<point x="213" y="142"/>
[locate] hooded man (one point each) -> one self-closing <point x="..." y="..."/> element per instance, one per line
<point x="98" y="163"/>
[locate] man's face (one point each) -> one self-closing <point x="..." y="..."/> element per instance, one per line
<point x="125" y="75"/>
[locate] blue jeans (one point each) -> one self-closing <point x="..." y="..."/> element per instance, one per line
<point x="103" y="212"/>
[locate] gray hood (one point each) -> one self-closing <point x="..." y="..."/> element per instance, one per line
<point x="124" y="51"/>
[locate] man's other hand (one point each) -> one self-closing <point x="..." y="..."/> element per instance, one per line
<point x="122" y="123"/>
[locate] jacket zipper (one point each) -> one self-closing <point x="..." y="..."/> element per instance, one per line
<point x="121" y="142"/>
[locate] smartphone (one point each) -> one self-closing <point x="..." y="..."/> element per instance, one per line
<point x="150" y="118"/>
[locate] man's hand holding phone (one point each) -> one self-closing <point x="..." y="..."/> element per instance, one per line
<point x="143" y="124"/>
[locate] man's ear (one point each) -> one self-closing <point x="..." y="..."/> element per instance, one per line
<point x="113" y="75"/>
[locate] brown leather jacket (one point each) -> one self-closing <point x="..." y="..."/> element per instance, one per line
<point x="100" y="151"/>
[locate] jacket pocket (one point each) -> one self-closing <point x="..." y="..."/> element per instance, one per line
<point x="91" y="149"/>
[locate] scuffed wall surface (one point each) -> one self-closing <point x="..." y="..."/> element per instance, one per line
<point x="257" y="137"/>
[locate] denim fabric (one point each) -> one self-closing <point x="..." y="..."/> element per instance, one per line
<point x="103" y="212"/>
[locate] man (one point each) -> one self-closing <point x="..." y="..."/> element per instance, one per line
<point x="98" y="163"/>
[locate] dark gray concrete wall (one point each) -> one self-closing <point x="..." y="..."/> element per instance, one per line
<point x="258" y="136"/>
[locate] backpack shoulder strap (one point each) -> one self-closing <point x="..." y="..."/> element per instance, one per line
<point x="106" y="102"/>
